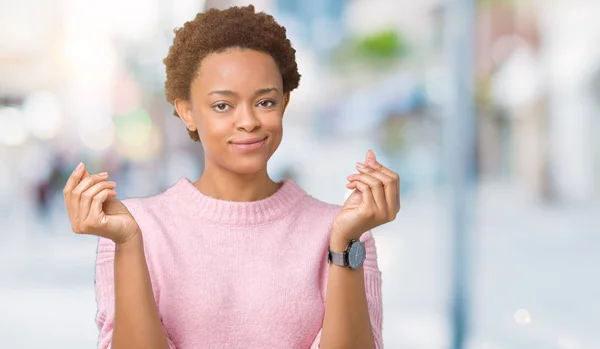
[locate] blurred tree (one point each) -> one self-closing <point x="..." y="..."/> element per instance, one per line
<point x="383" y="45"/>
<point x="377" y="52"/>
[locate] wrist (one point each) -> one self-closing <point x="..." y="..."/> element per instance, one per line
<point x="133" y="239"/>
<point x="338" y="242"/>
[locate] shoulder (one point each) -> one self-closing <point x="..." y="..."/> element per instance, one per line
<point x="151" y="213"/>
<point x="320" y="210"/>
<point x="326" y="212"/>
<point x="154" y="206"/>
<point x="316" y="208"/>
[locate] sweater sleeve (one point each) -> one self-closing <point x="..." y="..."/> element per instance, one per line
<point x="373" y="292"/>
<point x="105" y="293"/>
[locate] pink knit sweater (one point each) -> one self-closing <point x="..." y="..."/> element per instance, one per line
<point x="225" y="274"/>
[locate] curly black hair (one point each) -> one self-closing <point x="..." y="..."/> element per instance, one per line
<point x="217" y="30"/>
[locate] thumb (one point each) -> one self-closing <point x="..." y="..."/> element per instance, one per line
<point x="370" y="155"/>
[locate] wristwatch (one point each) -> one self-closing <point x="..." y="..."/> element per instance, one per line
<point x="353" y="257"/>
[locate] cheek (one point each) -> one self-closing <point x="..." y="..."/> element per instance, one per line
<point x="275" y="129"/>
<point x="214" y="128"/>
<point x="273" y="123"/>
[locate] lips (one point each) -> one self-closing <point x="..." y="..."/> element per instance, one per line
<point x="248" y="145"/>
<point x="249" y="141"/>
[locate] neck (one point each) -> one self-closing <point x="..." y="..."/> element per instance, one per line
<point x="224" y="185"/>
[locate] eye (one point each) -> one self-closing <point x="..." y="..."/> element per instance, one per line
<point x="267" y="103"/>
<point x="220" y="107"/>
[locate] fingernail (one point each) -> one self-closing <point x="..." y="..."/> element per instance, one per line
<point x="103" y="174"/>
<point x="79" y="166"/>
<point x="361" y="165"/>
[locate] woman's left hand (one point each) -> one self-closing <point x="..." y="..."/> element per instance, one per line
<point x="375" y="200"/>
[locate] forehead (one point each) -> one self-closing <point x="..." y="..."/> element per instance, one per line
<point x="237" y="70"/>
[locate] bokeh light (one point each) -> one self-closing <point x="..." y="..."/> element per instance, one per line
<point x="100" y="138"/>
<point x="133" y="129"/>
<point x="522" y="317"/>
<point x="13" y="130"/>
<point x="42" y="114"/>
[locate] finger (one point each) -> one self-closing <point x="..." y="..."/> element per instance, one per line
<point x="88" y="195"/>
<point x="84" y="185"/>
<point x="73" y="180"/>
<point x="396" y="178"/>
<point x="389" y="187"/>
<point x="367" y="195"/>
<point x="376" y="188"/>
<point x="97" y="217"/>
<point x="351" y="184"/>
<point x="372" y="162"/>
<point x="88" y="181"/>
<point x="370" y="155"/>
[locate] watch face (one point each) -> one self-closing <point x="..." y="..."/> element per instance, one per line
<point x="356" y="255"/>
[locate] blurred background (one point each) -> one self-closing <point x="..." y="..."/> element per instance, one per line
<point x="488" y="110"/>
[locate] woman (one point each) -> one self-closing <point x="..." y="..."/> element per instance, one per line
<point x="235" y="260"/>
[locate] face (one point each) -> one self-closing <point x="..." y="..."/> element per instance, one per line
<point x="236" y="105"/>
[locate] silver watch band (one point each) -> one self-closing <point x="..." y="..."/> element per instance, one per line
<point x="337" y="258"/>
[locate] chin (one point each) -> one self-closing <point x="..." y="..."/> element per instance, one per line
<point x="248" y="167"/>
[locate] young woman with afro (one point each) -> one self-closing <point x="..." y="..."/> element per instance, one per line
<point x="235" y="259"/>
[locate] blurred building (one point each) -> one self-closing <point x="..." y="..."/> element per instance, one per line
<point x="537" y="112"/>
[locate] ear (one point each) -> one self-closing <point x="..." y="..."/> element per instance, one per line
<point x="184" y="110"/>
<point x="286" y="100"/>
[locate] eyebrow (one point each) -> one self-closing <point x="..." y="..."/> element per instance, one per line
<point x="259" y="92"/>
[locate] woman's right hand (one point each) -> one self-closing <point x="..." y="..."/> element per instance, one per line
<point x="94" y="209"/>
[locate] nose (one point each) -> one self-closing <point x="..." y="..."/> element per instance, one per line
<point x="246" y="119"/>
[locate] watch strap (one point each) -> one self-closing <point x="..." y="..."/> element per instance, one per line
<point x="338" y="258"/>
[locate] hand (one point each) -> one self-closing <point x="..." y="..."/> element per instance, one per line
<point x="94" y="209"/>
<point x="375" y="200"/>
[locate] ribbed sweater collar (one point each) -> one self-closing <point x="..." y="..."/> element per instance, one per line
<point x="215" y="210"/>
